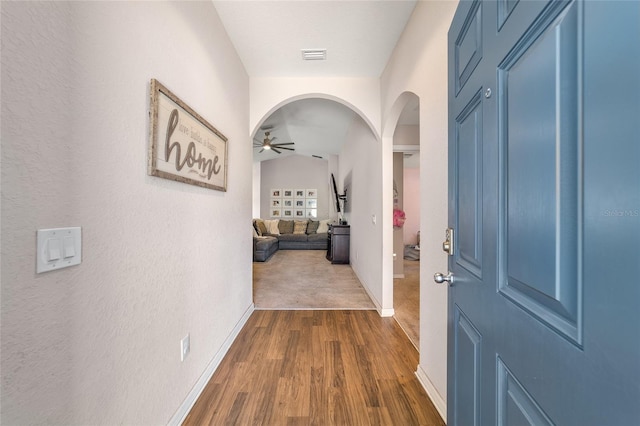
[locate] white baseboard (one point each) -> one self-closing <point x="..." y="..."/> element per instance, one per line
<point x="382" y="312"/>
<point x="432" y="392"/>
<point x="197" y="389"/>
<point x="386" y="312"/>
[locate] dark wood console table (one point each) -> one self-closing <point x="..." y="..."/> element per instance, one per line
<point x="338" y="244"/>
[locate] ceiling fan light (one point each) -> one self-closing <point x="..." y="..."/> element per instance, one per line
<point x="267" y="146"/>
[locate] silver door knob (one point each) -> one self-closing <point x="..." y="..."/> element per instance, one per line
<point x="439" y="277"/>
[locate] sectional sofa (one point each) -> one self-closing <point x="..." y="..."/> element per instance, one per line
<point x="270" y="236"/>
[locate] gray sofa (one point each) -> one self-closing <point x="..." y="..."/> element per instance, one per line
<point x="266" y="244"/>
<point x="264" y="247"/>
<point x="303" y="241"/>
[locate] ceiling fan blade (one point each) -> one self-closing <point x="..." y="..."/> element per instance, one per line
<point x="284" y="147"/>
<point x="274" y="149"/>
<point x="286" y="143"/>
<point x="260" y="150"/>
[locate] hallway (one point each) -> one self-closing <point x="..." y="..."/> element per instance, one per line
<point x="317" y="368"/>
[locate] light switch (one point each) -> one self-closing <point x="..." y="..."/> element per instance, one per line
<point x="53" y="249"/>
<point x="69" y="247"/>
<point x="58" y="248"/>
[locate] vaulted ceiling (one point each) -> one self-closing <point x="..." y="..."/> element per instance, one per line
<point x="269" y="36"/>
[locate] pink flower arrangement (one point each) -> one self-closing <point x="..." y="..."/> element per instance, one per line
<point x="398" y="218"/>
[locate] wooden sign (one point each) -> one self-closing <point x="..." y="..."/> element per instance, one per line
<point x="184" y="146"/>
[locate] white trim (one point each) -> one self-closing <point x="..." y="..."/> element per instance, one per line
<point x="406" y="148"/>
<point x="182" y="412"/>
<point x="386" y="312"/>
<point x="382" y="312"/>
<point x="432" y="392"/>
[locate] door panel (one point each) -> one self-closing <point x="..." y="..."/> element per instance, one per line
<point x="505" y="7"/>
<point x="469" y="186"/>
<point x="544" y="196"/>
<point x="540" y="149"/>
<point x="468" y="349"/>
<point x="515" y="404"/>
<point x="468" y="46"/>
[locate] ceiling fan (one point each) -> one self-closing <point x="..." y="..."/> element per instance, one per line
<point x="268" y="144"/>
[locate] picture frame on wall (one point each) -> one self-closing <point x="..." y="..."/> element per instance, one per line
<point x="300" y="193"/>
<point x="300" y="203"/>
<point x="275" y="213"/>
<point x="312" y="203"/>
<point x="300" y="213"/>
<point x="311" y="193"/>
<point x="287" y="203"/>
<point x="276" y="193"/>
<point x="287" y="193"/>
<point x="276" y="203"/>
<point x="287" y="213"/>
<point x="312" y="213"/>
<point x="183" y="146"/>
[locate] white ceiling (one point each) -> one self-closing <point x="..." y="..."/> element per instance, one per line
<point x="359" y="37"/>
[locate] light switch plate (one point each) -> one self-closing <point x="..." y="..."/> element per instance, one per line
<point x="58" y="248"/>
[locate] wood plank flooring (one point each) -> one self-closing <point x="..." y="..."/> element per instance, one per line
<point x="406" y="300"/>
<point x="316" y="368"/>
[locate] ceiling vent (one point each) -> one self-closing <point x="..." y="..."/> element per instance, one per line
<point x="314" y="54"/>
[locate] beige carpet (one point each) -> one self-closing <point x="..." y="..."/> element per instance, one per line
<point x="406" y="300"/>
<point x="305" y="279"/>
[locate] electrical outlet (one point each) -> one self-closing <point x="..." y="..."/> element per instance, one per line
<point x="185" y="347"/>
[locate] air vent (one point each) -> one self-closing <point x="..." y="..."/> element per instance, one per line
<point x="314" y="54"/>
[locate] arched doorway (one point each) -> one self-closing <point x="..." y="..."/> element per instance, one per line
<point x="402" y="133"/>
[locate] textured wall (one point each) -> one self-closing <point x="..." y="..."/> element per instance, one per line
<point x="419" y="65"/>
<point x="360" y="160"/>
<point x="295" y="172"/>
<point x="411" y="205"/>
<point x="98" y="343"/>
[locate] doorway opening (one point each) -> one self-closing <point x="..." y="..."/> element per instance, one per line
<point x="406" y="219"/>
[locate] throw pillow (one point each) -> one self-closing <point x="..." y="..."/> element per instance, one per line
<point x="272" y="226"/>
<point x="312" y="227"/>
<point x="260" y="227"/>
<point x="300" y="227"/>
<point x="286" y="226"/>
<point x="255" y="233"/>
<point x="323" y="227"/>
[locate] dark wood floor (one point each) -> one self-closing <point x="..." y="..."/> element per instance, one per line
<point x="317" y="368"/>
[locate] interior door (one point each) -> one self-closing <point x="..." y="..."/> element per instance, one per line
<point x="544" y="198"/>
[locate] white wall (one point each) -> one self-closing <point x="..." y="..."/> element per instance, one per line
<point x="98" y="343"/>
<point x="255" y="188"/>
<point x="360" y="157"/>
<point x="411" y="205"/>
<point x="406" y="135"/>
<point x="295" y="172"/>
<point x="418" y="65"/>
<point x="362" y="95"/>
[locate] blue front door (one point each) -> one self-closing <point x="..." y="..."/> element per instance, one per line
<point x="544" y="199"/>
